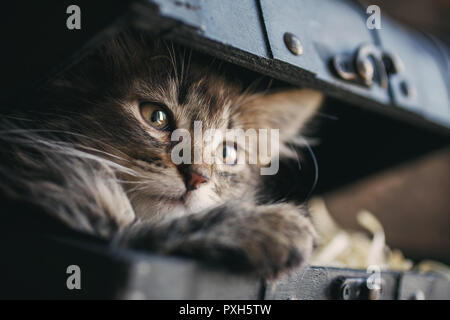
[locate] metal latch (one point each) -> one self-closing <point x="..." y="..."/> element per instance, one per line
<point x="369" y="65"/>
<point x="355" y="289"/>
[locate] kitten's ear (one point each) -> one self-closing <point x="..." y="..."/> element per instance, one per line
<point x="286" y="110"/>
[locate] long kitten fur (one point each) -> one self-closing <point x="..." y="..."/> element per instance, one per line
<point x="83" y="153"/>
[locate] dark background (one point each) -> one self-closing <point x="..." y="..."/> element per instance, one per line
<point x="404" y="172"/>
<point x="428" y="15"/>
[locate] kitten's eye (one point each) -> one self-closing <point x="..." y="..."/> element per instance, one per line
<point x="155" y="116"/>
<point x="229" y="154"/>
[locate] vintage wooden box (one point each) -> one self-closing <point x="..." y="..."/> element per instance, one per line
<point x="322" y="44"/>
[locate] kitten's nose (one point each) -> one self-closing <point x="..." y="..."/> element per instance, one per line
<point x="196" y="176"/>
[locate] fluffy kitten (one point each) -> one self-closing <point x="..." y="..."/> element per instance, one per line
<point x="94" y="152"/>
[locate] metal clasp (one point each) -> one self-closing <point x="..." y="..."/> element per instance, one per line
<point x="355" y="289"/>
<point x="365" y="66"/>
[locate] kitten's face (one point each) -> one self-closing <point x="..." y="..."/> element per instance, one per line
<point x="164" y="188"/>
<point x="130" y="98"/>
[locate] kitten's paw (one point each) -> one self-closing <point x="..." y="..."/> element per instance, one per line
<point x="265" y="241"/>
<point x="275" y="239"/>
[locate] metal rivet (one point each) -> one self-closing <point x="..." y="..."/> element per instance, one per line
<point x="293" y="44"/>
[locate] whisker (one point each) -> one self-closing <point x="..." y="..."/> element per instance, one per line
<point x="327" y="115"/>
<point x="316" y="168"/>
<point x="26" y="131"/>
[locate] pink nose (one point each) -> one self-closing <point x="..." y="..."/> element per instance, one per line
<point x="195" y="175"/>
<point x="195" y="180"/>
